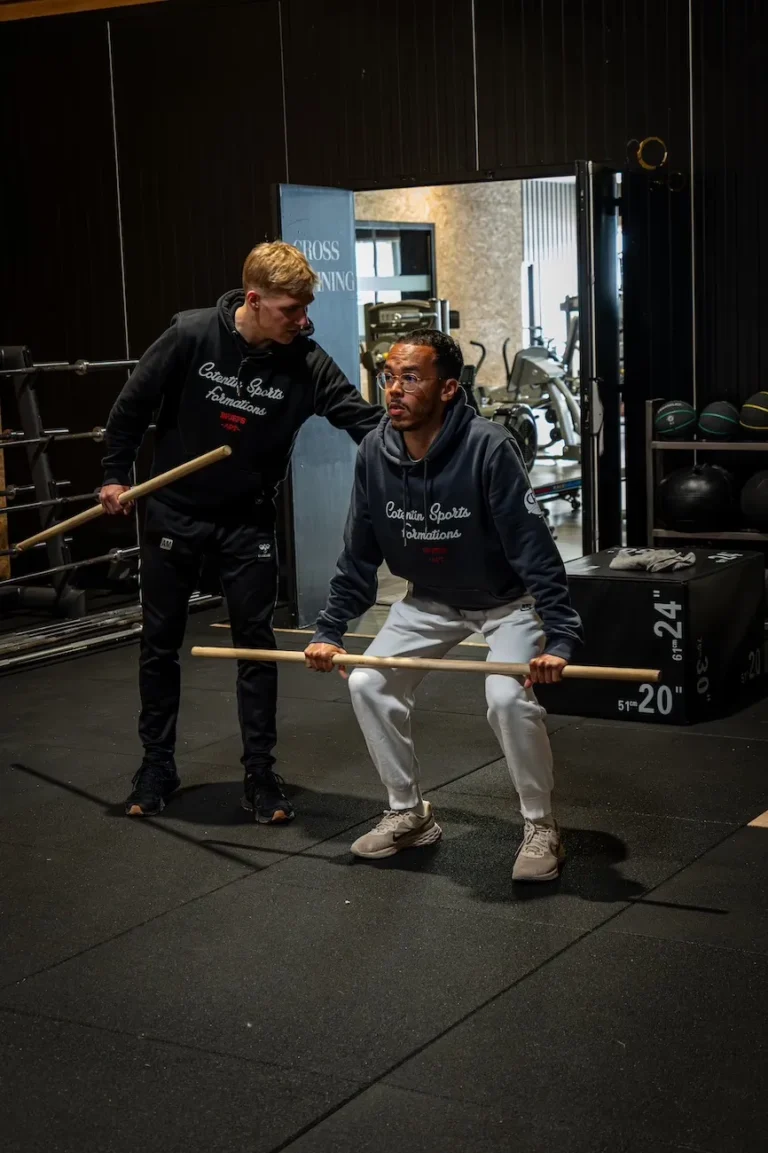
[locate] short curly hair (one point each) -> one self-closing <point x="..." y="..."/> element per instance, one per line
<point x="448" y="355"/>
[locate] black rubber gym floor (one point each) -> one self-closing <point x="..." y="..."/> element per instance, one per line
<point x="201" y="983"/>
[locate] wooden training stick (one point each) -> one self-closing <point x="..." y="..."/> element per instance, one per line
<point x="577" y="672"/>
<point x="130" y="495"/>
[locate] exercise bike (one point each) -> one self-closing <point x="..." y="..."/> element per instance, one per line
<point x="517" y="418"/>
<point x="539" y="379"/>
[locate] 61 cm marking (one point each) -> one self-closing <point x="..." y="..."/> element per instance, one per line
<point x="671" y="626"/>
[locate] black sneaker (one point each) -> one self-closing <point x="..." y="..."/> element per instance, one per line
<point x="264" y="797"/>
<point x="152" y="786"/>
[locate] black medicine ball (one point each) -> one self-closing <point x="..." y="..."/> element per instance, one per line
<point x="719" y="421"/>
<point x="675" y="420"/>
<point x="754" y="502"/>
<point x="697" y="499"/>
<point x="754" y="415"/>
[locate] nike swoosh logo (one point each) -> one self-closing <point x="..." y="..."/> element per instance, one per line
<point x="409" y="833"/>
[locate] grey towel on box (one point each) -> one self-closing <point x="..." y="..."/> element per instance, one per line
<point x="652" y="559"/>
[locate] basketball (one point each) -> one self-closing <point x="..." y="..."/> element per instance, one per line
<point x="754" y="415"/>
<point x="675" y="420"/>
<point x="719" y="421"/>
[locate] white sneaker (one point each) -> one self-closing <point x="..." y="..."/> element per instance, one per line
<point x="399" y="829"/>
<point x="541" y="853"/>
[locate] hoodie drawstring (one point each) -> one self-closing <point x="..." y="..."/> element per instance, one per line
<point x="406" y="498"/>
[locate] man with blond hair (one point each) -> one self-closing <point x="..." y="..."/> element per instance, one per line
<point x="247" y="374"/>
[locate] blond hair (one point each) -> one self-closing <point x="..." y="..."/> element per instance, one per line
<point x="279" y="267"/>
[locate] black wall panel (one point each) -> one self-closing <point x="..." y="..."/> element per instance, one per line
<point x="730" y="82"/>
<point x="198" y="95"/>
<point x="60" y="280"/>
<point x="560" y="80"/>
<point x="60" y="268"/>
<point x="379" y="93"/>
<point x="658" y="343"/>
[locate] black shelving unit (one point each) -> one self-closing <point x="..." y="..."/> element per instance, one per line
<point x="654" y="447"/>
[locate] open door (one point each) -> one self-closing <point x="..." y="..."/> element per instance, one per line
<point x="598" y="212"/>
<point x="321" y="222"/>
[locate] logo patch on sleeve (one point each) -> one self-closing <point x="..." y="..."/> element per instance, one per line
<point x="166" y="543"/>
<point x="532" y="504"/>
<point x="264" y="550"/>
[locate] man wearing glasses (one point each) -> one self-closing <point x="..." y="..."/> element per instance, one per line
<point x="443" y="496"/>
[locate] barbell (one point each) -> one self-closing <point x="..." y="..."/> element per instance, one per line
<point x="51" y="502"/>
<point x="13" y="490"/>
<point x="79" y="367"/>
<point x="430" y="664"/>
<point x="10" y="439"/>
<point x="113" y="556"/>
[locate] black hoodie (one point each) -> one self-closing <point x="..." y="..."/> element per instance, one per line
<point x="462" y="526"/>
<point x="212" y="388"/>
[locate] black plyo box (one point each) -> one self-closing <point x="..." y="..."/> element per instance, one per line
<point x="703" y="627"/>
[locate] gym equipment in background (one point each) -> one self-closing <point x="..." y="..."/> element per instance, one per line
<point x="696" y="499"/>
<point x="702" y="626"/>
<point x="539" y="379"/>
<point x="718" y="421"/>
<point x="521" y="422"/>
<point x="754" y="415"/>
<point x="386" y="324"/>
<point x="736" y="453"/>
<point x="23" y="376"/>
<point x="78" y="367"/>
<point x="675" y="420"/>
<point x="469" y="382"/>
<point x="754" y="502"/>
<point x="518" y="419"/>
<point x="57" y="589"/>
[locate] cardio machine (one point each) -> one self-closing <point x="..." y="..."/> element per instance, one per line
<point x="386" y="324"/>
<point x="539" y="378"/>
<point x="517" y="417"/>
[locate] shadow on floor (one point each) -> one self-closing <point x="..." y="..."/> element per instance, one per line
<point x="476" y="855"/>
<point x="480" y="862"/>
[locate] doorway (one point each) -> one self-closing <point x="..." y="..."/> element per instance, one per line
<point x="526" y="275"/>
<point x="505" y="264"/>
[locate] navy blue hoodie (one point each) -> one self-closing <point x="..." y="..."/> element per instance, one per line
<point x="211" y="387"/>
<point x="462" y="525"/>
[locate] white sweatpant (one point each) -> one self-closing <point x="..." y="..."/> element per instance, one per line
<point x="383" y="698"/>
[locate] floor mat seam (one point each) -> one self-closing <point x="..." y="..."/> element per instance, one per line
<point x="285" y="1145"/>
<point x="250" y="871"/>
<point x="686" y="941"/>
<point x="184" y="1045"/>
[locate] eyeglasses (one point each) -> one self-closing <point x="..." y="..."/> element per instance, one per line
<point x="409" y="381"/>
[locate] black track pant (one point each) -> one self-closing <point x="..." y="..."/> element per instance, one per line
<point x="172" y="551"/>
